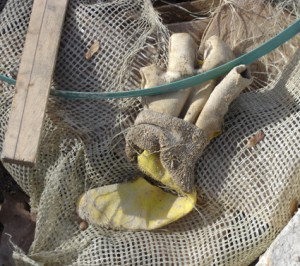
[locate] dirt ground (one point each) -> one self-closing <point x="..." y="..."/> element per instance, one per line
<point x="16" y="224"/>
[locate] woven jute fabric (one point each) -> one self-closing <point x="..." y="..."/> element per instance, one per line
<point x="245" y="193"/>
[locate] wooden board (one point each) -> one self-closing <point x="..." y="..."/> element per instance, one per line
<point x="23" y="134"/>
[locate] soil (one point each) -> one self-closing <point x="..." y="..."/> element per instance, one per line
<point x="16" y="224"/>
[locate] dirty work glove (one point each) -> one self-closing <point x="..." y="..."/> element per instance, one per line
<point x="178" y="143"/>
<point x="164" y="146"/>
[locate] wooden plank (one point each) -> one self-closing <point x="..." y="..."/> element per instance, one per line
<point x="23" y="134"/>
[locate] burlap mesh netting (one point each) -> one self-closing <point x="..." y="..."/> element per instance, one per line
<point x="246" y="194"/>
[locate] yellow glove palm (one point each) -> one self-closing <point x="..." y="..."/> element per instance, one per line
<point x="136" y="205"/>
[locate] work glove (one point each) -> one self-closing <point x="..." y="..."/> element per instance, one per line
<point x="177" y="126"/>
<point x="167" y="139"/>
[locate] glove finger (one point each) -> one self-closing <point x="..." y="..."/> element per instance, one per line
<point x="216" y="53"/>
<point x="182" y="57"/>
<point x="212" y="116"/>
